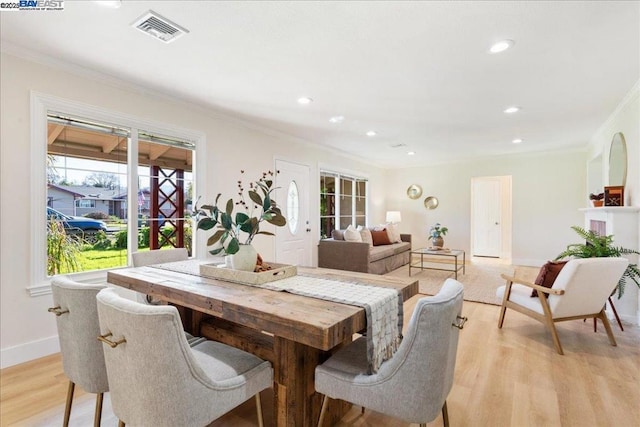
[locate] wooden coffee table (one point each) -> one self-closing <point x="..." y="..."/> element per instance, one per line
<point x="438" y="260"/>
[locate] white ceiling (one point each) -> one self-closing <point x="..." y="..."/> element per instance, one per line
<point x="417" y="73"/>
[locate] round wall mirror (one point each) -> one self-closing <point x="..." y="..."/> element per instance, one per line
<point x="618" y="160"/>
<point x="431" y="202"/>
<point x="414" y="191"/>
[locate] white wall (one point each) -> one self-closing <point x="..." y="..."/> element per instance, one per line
<point x="27" y="330"/>
<point x="548" y="189"/>
<point x="625" y="119"/>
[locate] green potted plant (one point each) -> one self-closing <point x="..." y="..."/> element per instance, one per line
<point x="602" y="246"/>
<point x="234" y="233"/>
<point x="435" y="234"/>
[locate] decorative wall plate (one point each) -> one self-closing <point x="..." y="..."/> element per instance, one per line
<point x="431" y="202"/>
<point x="414" y="191"/>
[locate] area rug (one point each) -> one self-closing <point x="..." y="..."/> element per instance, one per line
<point x="480" y="281"/>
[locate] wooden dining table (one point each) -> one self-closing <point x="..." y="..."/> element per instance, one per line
<point x="294" y="332"/>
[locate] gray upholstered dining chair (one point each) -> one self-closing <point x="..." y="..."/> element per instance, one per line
<point x="156" y="379"/>
<point x="82" y="357"/>
<point x="156" y="256"/>
<point x="159" y="256"/>
<point x="414" y="384"/>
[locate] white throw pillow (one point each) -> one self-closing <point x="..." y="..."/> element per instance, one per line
<point x="365" y="233"/>
<point x="352" y="235"/>
<point x="393" y="232"/>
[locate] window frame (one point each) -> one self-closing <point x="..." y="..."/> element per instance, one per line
<point x="40" y="105"/>
<point x="338" y="175"/>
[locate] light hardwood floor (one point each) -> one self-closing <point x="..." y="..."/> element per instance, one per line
<point x="508" y="377"/>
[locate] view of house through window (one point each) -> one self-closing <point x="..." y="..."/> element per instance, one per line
<point x="88" y="199"/>
<point x="343" y="201"/>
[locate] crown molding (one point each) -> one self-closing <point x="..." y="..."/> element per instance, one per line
<point x="629" y="98"/>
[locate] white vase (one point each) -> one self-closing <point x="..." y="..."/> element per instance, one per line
<point x="245" y="259"/>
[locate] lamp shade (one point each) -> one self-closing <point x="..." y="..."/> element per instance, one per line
<point x="394" y="216"/>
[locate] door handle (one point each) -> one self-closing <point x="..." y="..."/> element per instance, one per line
<point x="497" y="223"/>
<point x="308" y="230"/>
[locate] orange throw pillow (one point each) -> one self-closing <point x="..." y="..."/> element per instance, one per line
<point x="380" y="237"/>
<point x="548" y="274"/>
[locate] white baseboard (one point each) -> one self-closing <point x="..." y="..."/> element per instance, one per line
<point x="29" y="351"/>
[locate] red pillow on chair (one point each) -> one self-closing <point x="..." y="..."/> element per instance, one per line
<point x="548" y="274"/>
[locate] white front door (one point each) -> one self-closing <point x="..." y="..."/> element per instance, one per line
<point x="293" y="241"/>
<point x="487" y="207"/>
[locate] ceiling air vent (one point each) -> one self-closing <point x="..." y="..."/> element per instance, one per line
<point x="159" y="27"/>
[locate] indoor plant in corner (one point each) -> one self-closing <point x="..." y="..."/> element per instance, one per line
<point x="230" y="229"/>
<point x="602" y="246"/>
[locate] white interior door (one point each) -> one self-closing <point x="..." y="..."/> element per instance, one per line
<point x="487" y="218"/>
<point x="293" y="241"/>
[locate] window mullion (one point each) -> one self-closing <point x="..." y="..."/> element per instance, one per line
<point x="132" y="194"/>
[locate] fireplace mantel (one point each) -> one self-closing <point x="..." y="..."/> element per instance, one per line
<point x="622" y="222"/>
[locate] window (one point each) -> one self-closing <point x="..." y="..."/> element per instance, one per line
<point x="121" y="183"/>
<point x="293" y="207"/>
<point x="82" y="203"/>
<point x="89" y="159"/>
<point x="343" y="201"/>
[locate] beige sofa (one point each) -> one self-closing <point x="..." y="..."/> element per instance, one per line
<point x="360" y="256"/>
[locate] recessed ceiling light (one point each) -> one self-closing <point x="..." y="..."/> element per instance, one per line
<point x="371" y="133"/>
<point x="411" y="153"/>
<point x="501" y="46"/>
<point x="517" y="141"/>
<point x="336" y="119"/>
<point x="305" y="100"/>
<point x="511" y="110"/>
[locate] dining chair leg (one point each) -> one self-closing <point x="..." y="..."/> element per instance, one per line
<point x="445" y="414"/>
<point x="120" y="423"/>
<point x="259" y="410"/>
<point x="67" y="408"/>
<point x="98" y="415"/>
<point x="325" y="402"/>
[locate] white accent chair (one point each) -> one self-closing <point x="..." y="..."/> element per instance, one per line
<point x="579" y="292"/>
<point x="157" y="380"/>
<point x="414" y="384"/>
<point x="82" y="357"/>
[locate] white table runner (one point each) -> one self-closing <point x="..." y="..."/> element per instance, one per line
<point x="383" y="306"/>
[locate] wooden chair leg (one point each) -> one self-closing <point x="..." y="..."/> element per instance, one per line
<point x="97" y="418"/>
<point x="607" y="327"/>
<point x="505" y="298"/>
<point x="615" y="313"/>
<point x="67" y="408"/>
<point x="554" y="334"/>
<point x="120" y="423"/>
<point x="323" y="411"/>
<point x="501" y="318"/>
<point x="259" y="409"/>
